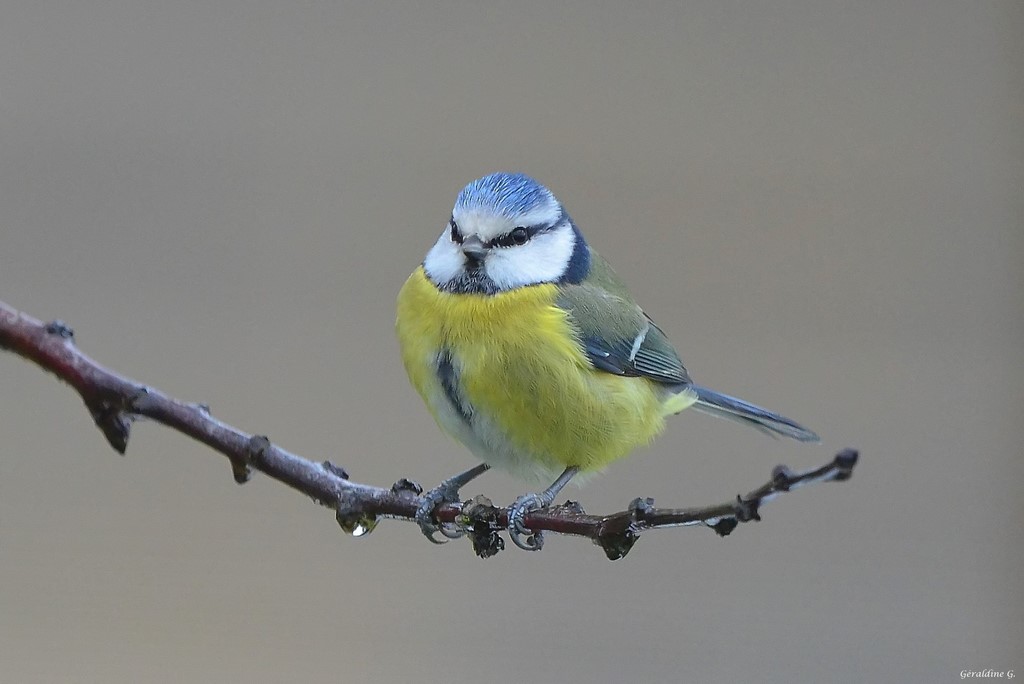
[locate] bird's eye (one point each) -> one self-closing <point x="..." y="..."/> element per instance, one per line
<point x="517" y="236"/>
<point x="456" y="234"/>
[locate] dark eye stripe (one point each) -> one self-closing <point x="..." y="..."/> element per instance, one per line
<point x="456" y="234"/>
<point x="517" y="236"/>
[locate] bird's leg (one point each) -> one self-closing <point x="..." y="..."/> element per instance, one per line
<point x="531" y="502"/>
<point x="447" y="491"/>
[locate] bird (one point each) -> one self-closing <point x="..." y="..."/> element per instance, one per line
<point x="529" y="350"/>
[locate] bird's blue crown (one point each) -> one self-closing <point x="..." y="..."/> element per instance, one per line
<point x="506" y="194"/>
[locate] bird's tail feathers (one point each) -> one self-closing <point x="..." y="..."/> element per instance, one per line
<point x="724" y="406"/>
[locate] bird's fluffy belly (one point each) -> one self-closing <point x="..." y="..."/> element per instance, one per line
<point x="506" y="376"/>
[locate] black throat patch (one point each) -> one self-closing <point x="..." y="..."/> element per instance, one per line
<point x="474" y="281"/>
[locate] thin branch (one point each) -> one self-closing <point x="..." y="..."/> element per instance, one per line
<point x="114" y="401"/>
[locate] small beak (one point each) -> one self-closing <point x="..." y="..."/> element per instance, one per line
<point x="474" y="249"/>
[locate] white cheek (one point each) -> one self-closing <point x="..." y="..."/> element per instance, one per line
<point x="444" y="261"/>
<point x="541" y="260"/>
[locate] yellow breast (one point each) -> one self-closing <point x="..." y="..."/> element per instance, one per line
<point x="532" y="402"/>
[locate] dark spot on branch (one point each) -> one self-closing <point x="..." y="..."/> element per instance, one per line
<point x="746" y="510"/>
<point x="60" y="329"/>
<point x="335" y="470"/>
<point x="724" y="526"/>
<point x="258" y="446"/>
<point x="571" y="508"/>
<point x="255" y="449"/>
<point x="405" y="485"/>
<point x="639" y="507"/>
<point x="781" y="477"/>
<point x="616" y="546"/>
<point x="482" y="522"/>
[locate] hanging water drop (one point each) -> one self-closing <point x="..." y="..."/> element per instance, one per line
<point x="357" y="524"/>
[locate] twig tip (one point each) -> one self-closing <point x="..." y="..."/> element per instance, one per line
<point x="847" y="458"/>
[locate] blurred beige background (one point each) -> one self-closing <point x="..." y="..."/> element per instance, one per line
<point x="822" y="206"/>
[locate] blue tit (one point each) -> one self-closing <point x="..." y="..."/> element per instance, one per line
<point x="529" y="350"/>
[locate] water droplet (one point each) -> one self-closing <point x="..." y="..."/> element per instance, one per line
<point x="357" y="524"/>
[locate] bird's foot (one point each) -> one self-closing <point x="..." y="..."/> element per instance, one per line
<point x="446" y="492"/>
<point x="517" y="512"/>
<point x="533" y="502"/>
